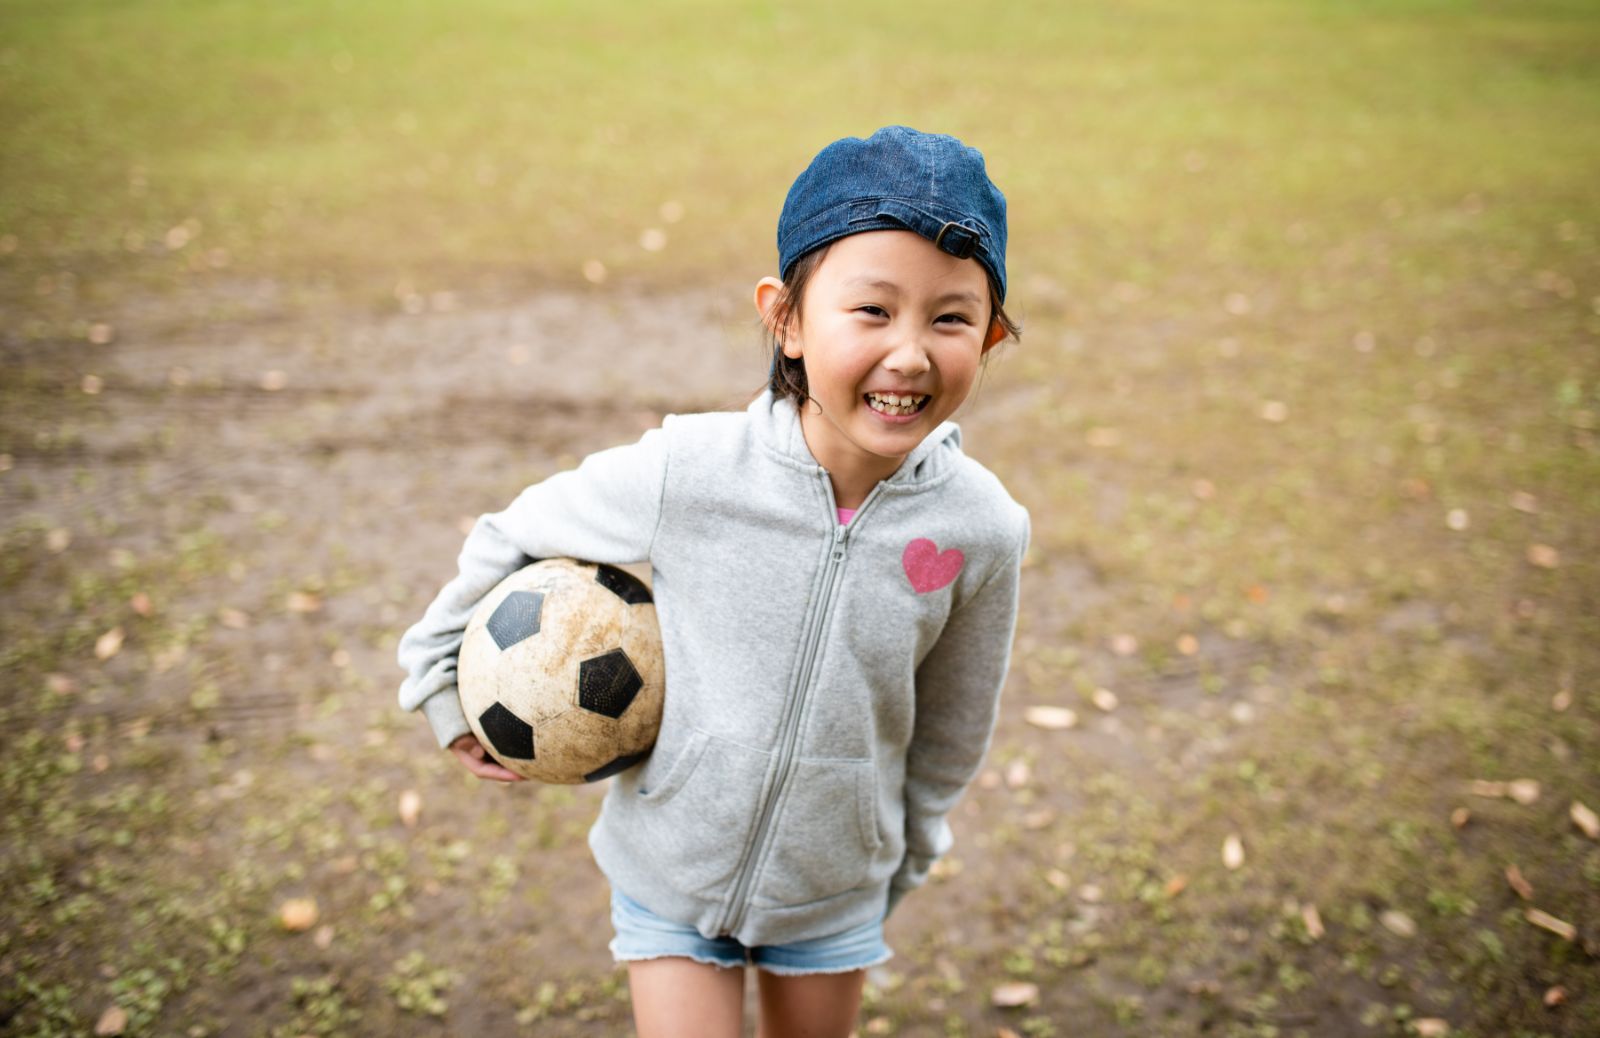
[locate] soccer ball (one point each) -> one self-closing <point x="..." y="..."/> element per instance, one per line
<point x="560" y="671"/>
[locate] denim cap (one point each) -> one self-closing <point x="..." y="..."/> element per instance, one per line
<point x="897" y="179"/>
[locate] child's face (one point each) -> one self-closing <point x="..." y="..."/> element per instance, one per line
<point x="887" y="312"/>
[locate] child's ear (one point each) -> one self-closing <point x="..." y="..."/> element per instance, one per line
<point x="997" y="331"/>
<point x="768" y="291"/>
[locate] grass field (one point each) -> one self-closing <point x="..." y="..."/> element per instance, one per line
<point x="1306" y="412"/>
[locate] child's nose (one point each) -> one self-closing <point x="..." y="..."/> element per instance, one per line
<point x="909" y="356"/>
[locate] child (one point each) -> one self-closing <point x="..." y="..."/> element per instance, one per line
<point x="837" y="588"/>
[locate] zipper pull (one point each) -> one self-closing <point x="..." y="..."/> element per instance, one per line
<point x="839" y="535"/>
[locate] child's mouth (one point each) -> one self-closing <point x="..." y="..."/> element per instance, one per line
<point x="901" y="405"/>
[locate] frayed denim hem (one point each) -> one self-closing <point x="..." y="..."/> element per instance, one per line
<point x="805" y="971"/>
<point x="704" y="960"/>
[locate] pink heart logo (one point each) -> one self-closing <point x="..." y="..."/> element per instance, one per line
<point x="928" y="568"/>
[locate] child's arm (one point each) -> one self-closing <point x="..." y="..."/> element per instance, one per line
<point x="958" y="696"/>
<point x="605" y="510"/>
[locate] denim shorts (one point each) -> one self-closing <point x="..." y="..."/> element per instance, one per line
<point x="641" y="934"/>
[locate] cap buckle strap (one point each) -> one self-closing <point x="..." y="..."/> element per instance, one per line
<point x="958" y="241"/>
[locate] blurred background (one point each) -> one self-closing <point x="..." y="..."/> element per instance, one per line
<point x="1305" y="411"/>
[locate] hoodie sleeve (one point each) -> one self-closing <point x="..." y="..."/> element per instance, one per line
<point x="605" y="510"/>
<point x="958" y="696"/>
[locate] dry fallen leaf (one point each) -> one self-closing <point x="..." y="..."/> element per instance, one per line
<point x="1232" y="851"/>
<point x="1105" y="699"/>
<point x="1398" y="923"/>
<point x="108" y="644"/>
<point x="1005" y="1032"/>
<point x="58" y="539"/>
<point x="323" y="938"/>
<point x="1176" y="885"/>
<point x="1431" y="1027"/>
<point x="1545" y="921"/>
<point x="1523" y="501"/>
<point x="1033" y="821"/>
<point x="1519" y="883"/>
<point x="1313" y="920"/>
<point x="60" y="684"/>
<point x="1483" y="788"/>
<point x="410" y="807"/>
<point x="141" y="604"/>
<point x="234" y="618"/>
<point x="1523" y="791"/>
<point x="1017" y="993"/>
<point x="1560" y="701"/>
<point x="1555" y="996"/>
<point x="298" y="914"/>
<point x="1585" y="819"/>
<point x="1091" y="893"/>
<point x="1544" y="556"/>
<point x="1058" y="879"/>
<point x="304" y="602"/>
<point x="1052" y="718"/>
<point x="112" y="1022"/>
<point x="1017" y="774"/>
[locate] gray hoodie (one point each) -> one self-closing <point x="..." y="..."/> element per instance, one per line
<point x="831" y="689"/>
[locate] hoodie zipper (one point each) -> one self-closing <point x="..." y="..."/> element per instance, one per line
<point x="791" y="727"/>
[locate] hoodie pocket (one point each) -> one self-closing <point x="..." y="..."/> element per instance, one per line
<point x="691" y="820"/>
<point x="826" y="833"/>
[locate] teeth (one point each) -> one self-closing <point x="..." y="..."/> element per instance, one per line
<point x="893" y="403"/>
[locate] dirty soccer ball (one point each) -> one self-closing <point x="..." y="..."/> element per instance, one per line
<point x="560" y="671"/>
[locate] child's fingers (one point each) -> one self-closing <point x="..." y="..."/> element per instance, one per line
<point x="488" y="769"/>
<point x="476" y="759"/>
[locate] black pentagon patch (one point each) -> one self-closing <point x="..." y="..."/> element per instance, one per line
<point x="622" y="763"/>
<point x="608" y="683"/>
<point x="623" y="584"/>
<point x="516" y="618"/>
<point x="509" y="734"/>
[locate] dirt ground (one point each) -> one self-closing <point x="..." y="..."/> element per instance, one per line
<point x="260" y="493"/>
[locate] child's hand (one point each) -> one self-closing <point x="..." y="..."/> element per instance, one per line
<point x="470" y="752"/>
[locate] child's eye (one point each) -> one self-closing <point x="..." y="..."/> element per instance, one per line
<point x="963" y="318"/>
<point x="875" y="311"/>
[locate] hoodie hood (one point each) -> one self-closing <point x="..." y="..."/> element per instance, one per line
<point x="776" y="423"/>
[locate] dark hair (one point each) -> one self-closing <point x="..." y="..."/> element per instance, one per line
<point x="788" y="377"/>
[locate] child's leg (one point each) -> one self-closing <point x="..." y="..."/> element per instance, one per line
<point x="812" y="1005"/>
<point x="676" y="997"/>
